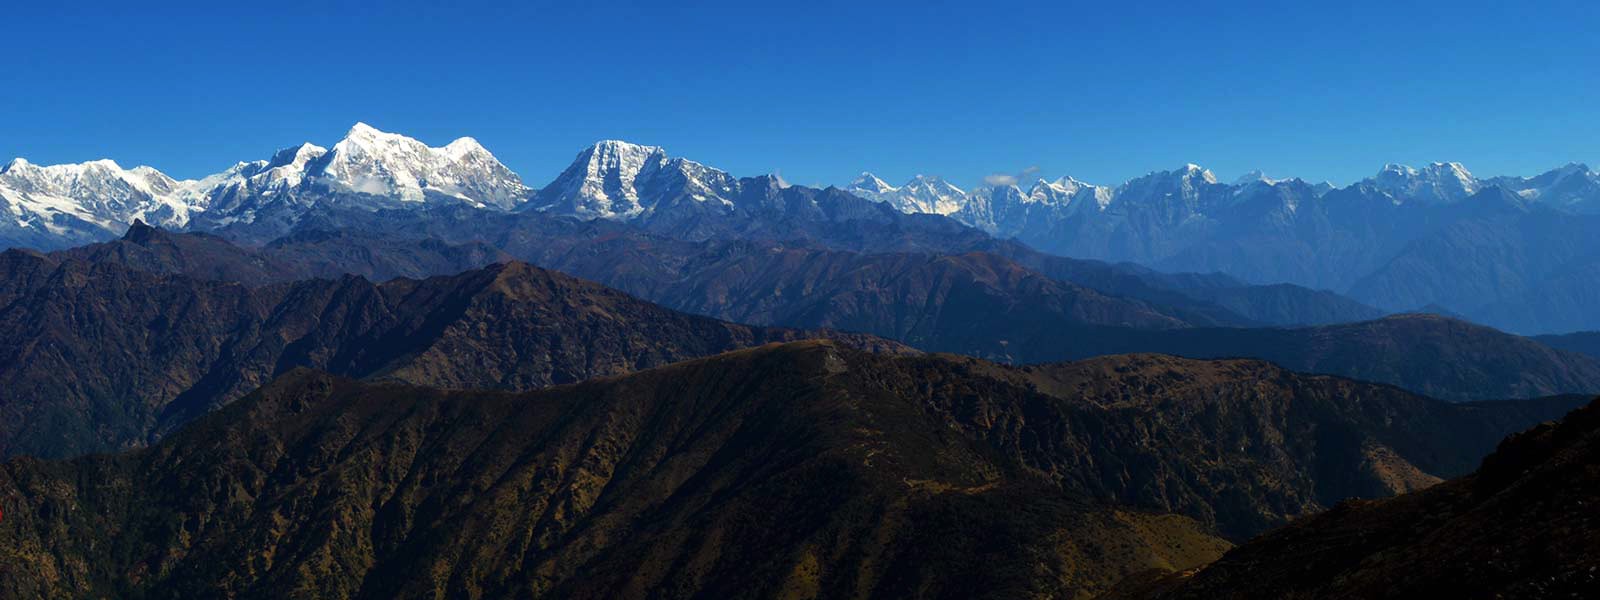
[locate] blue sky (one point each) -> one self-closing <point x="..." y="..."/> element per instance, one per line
<point x="822" y="90"/>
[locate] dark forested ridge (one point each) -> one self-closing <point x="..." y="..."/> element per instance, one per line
<point x="800" y="469"/>
<point x="96" y="356"/>
<point x="977" y="303"/>
<point x="1521" y="526"/>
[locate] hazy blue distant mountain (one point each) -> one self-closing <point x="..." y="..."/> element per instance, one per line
<point x="1499" y="259"/>
<point x="645" y="261"/>
<point x="1582" y="342"/>
<point x="1489" y="249"/>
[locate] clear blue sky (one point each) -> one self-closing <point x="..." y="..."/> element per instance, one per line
<point x="820" y="91"/>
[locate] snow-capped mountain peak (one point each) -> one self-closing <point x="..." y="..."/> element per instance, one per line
<point x="927" y="194"/>
<point x="868" y="183"/>
<point x="1453" y="172"/>
<point x="1189" y="174"/>
<point x="603" y="179"/>
<point x="1064" y="185"/>
<point x="389" y="169"/>
<point x="378" y="163"/>
<point x="623" y="159"/>
<point x="463" y="147"/>
<point x="362" y="134"/>
<point x="1069" y="194"/>
<point x="297" y="155"/>
<point x="1191" y="170"/>
<point x="287" y="169"/>
<point x="98" y="195"/>
<point x="1572" y="187"/>
<point x="614" y="179"/>
<point x="624" y="147"/>
<point x="15" y="163"/>
<point x="1436" y="183"/>
<point x="1255" y="176"/>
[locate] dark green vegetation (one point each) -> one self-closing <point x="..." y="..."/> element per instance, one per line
<point x="96" y="356"/>
<point x="1522" y="526"/>
<point x="791" y="470"/>
<point x="1500" y="260"/>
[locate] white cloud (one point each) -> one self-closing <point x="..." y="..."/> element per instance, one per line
<point x="1003" y="179"/>
<point x="998" y="180"/>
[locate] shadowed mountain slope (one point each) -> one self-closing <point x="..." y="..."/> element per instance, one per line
<point x="547" y="240"/>
<point x="1582" y="342"/>
<point x="680" y="274"/>
<point x="802" y="469"/>
<point x="1432" y="355"/>
<point x="977" y="303"/>
<point x="301" y="255"/>
<point x="96" y="357"/>
<point x="972" y="303"/>
<point x="1522" y="526"/>
<point x="1225" y="300"/>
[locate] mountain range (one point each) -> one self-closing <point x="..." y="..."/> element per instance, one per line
<point x="99" y="198"/>
<point x="571" y="244"/>
<point x="98" y="356"/>
<point x="370" y="170"/>
<point x="669" y="270"/>
<point x="803" y="469"/>
<point x="1511" y="252"/>
<point x="386" y="369"/>
<point x="978" y="304"/>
